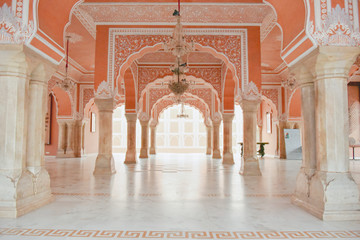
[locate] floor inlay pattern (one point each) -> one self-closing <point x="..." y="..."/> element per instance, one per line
<point x="181" y="234"/>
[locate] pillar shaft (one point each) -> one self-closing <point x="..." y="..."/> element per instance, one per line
<point x="208" y="139"/>
<point x="69" y="151"/>
<point x="36" y="135"/>
<point x="62" y="138"/>
<point x="130" y="156"/>
<point x="333" y="194"/>
<point x="77" y="139"/>
<point x="144" y="151"/>
<point x="228" y="157"/>
<point x="250" y="162"/>
<point x="216" y="140"/>
<point x="282" y="126"/>
<point x="105" y="161"/>
<point x="308" y="134"/>
<point x="21" y="190"/>
<point x="153" y="139"/>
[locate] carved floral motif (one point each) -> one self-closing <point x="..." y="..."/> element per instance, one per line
<point x="208" y="74"/>
<point x="189" y="100"/>
<point x="104" y="90"/>
<point x="12" y="27"/>
<point x="290" y="82"/>
<point x="230" y="44"/>
<point x="88" y="94"/>
<point x="272" y="94"/>
<point x="219" y="13"/>
<point x="251" y="92"/>
<point x="336" y="30"/>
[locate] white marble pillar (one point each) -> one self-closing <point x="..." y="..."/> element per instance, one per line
<point x="130" y="157"/>
<point x="249" y="161"/>
<point x="70" y="134"/>
<point x="104" y="164"/>
<point x="308" y="130"/>
<point x="216" y="140"/>
<point x="153" y="137"/>
<point x="144" y="150"/>
<point x="77" y="140"/>
<point x="333" y="194"/>
<point x="35" y="154"/>
<point x="228" y="156"/>
<point x="61" y="138"/>
<point x="208" y="140"/>
<point x="17" y="190"/>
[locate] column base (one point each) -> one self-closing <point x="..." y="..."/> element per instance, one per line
<point x="143" y="153"/>
<point x="250" y="167"/>
<point x="228" y="158"/>
<point x="104" y="165"/>
<point x="216" y="154"/>
<point x="152" y="151"/>
<point x="332" y="197"/>
<point x="302" y="188"/>
<point x="31" y="192"/>
<point x="130" y="157"/>
<point x="67" y="154"/>
<point x="208" y="151"/>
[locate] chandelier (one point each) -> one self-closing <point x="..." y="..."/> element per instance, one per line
<point x="66" y="84"/>
<point x="179" y="47"/>
<point x="182" y="113"/>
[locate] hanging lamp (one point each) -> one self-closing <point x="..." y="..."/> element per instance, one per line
<point x="66" y="84"/>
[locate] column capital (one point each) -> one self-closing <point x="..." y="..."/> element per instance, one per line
<point x="335" y="61"/>
<point x="13" y="59"/>
<point x="131" y="117"/>
<point x="250" y="105"/>
<point x="105" y="104"/>
<point x="153" y="123"/>
<point x="228" y="116"/>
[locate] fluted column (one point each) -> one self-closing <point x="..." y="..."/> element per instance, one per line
<point x="305" y="80"/>
<point x="208" y="139"/>
<point x="18" y="186"/>
<point x="35" y="154"/>
<point x="77" y="140"/>
<point x="62" y="138"/>
<point x="228" y="157"/>
<point x="130" y="156"/>
<point x="153" y="125"/>
<point x="70" y="130"/>
<point x="216" y="140"/>
<point x="144" y="139"/>
<point x="333" y="193"/>
<point x="104" y="164"/>
<point x="249" y="161"/>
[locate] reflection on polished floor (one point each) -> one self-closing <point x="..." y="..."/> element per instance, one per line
<point x="189" y="196"/>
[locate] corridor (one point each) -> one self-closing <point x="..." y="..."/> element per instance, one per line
<point x="174" y="196"/>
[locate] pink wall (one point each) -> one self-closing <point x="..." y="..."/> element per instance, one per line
<point x="295" y="105"/>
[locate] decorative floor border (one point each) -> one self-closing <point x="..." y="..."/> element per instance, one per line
<point x="180" y="234"/>
<point x="211" y="195"/>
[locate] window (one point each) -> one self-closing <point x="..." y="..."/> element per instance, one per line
<point x="93" y="122"/>
<point x="268" y="123"/>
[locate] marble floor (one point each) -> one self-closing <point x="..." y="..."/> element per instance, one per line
<point x="188" y="196"/>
